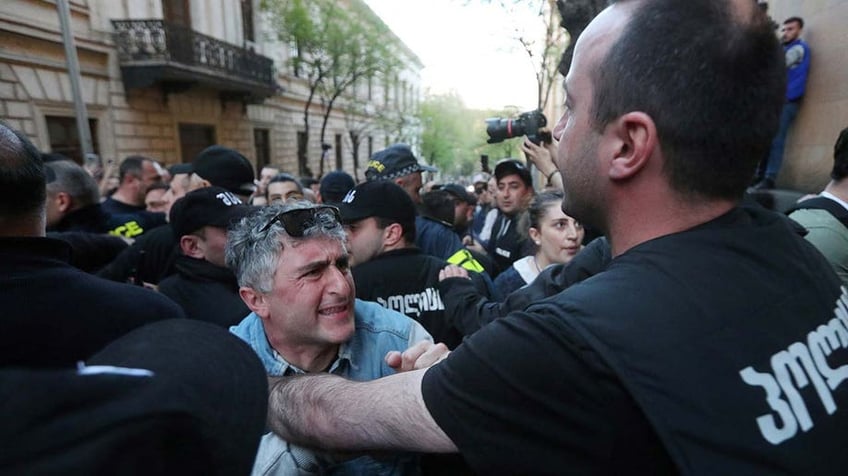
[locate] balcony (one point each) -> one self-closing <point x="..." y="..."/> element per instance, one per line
<point x="155" y="52"/>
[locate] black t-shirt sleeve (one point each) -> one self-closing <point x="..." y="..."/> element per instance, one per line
<point x="525" y="395"/>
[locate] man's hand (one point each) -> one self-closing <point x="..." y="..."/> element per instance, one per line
<point x="453" y="271"/>
<point x="420" y="356"/>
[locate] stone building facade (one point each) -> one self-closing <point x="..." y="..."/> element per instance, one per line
<point x="236" y="90"/>
<point x="824" y="110"/>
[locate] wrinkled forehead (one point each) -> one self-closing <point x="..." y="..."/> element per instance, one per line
<point x="299" y="252"/>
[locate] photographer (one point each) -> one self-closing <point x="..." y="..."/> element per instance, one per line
<point x="541" y="156"/>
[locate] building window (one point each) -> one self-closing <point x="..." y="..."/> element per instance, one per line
<point x="193" y="139"/>
<point x="263" y="147"/>
<point x="338" y="152"/>
<point x="247" y="20"/>
<point x="64" y="139"/>
<point x="177" y="12"/>
<point x="294" y="56"/>
<point x="386" y="91"/>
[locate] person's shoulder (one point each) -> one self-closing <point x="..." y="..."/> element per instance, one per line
<point x="141" y="299"/>
<point x="373" y="318"/>
<point x="247" y="327"/>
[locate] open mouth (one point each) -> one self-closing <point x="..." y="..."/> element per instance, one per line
<point x="333" y="310"/>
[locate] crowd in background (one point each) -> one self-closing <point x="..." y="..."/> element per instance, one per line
<point x="144" y="315"/>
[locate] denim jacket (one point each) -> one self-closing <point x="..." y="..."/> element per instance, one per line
<point x="378" y="330"/>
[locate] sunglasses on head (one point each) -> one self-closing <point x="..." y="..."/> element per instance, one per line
<point x="297" y="221"/>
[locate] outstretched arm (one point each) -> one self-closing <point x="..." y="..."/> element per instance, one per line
<point x="327" y="411"/>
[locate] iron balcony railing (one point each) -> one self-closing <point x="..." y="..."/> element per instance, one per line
<point x="157" y="42"/>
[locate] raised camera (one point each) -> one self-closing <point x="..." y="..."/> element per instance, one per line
<point x="527" y="123"/>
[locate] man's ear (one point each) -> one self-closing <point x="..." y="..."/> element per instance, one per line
<point x="189" y="244"/>
<point x="255" y="301"/>
<point x="64" y="202"/>
<point x="635" y="141"/>
<point x="392" y="234"/>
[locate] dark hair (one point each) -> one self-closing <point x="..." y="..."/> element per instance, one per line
<point x="532" y="217"/>
<point x="539" y="206"/>
<point x="840" y="156"/>
<point x="47" y="157"/>
<point x="284" y="177"/>
<point x="798" y="20"/>
<point x="308" y="181"/>
<point x="159" y="186"/>
<point x="131" y="166"/>
<point x="438" y="205"/>
<point x="408" y="228"/>
<point x="713" y="85"/>
<point x="21" y="175"/>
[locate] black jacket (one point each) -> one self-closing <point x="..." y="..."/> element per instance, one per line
<point x="149" y="259"/>
<point x="508" y="243"/>
<point x="407" y="281"/>
<point x="206" y="292"/>
<point x="465" y="306"/>
<point x="55" y="315"/>
<point x="91" y="219"/>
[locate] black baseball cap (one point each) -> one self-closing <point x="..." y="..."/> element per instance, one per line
<point x="178" y="169"/>
<point x="513" y="167"/>
<point x="335" y="185"/>
<point x="379" y="198"/>
<point x="225" y="167"/>
<point x="458" y="191"/>
<point x="394" y="161"/>
<point x="208" y="206"/>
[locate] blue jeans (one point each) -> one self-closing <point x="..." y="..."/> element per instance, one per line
<point x="775" y="158"/>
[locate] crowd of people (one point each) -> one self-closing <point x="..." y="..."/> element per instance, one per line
<point x="629" y="310"/>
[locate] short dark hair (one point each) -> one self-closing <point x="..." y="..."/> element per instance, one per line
<point x="798" y="20"/>
<point x="713" y="84"/>
<point x="284" y="177"/>
<point x="132" y="166"/>
<point x="21" y="175"/>
<point x="840" y="156"/>
<point x="439" y="205"/>
<point x="308" y="181"/>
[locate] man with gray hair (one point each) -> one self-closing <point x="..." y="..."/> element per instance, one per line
<point x="73" y="204"/>
<point x="292" y="266"/>
<point x="73" y="199"/>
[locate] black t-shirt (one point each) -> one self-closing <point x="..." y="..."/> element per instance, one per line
<point x="112" y="206"/>
<point x="653" y="349"/>
<point x="524" y="395"/>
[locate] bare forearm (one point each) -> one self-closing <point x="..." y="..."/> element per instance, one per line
<point x="330" y="412"/>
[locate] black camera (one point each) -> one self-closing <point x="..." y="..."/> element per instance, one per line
<point x="527" y="123"/>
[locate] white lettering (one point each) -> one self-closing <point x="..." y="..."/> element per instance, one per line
<point x="769" y="429"/>
<point x="798" y="366"/>
<point x="414" y="304"/>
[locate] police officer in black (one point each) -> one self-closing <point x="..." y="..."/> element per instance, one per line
<point x="205" y="288"/>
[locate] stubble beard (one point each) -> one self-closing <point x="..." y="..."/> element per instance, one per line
<point x="583" y="199"/>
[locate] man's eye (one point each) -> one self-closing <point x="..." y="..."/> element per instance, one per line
<point x="343" y="264"/>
